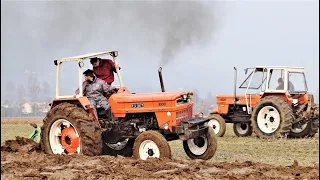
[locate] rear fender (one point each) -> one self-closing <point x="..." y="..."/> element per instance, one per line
<point x="83" y="101"/>
<point x="281" y="95"/>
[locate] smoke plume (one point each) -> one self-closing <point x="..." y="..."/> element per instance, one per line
<point x="164" y="27"/>
<point x="34" y="33"/>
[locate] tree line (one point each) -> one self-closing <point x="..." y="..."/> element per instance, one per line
<point x="32" y="90"/>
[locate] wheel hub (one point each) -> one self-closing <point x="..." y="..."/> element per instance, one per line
<point x="69" y="140"/>
<point x="268" y="119"/>
<point x="215" y="125"/>
<point x="150" y="152"/>
<point x="119" y="145"/>
<point x="199" y="141"/>
<point x="198" y="145"/>
<point x="64" y="138"/>
<point x="149" y="149"/>
<point x="299" y="128"/>
<point x="243" y="126"/>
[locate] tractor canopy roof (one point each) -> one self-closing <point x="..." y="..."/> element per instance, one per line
<point x="87" y="56"/>
<point x="286" y="68"/>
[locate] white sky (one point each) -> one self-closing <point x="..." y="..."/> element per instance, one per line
<point x="246" y="34"/>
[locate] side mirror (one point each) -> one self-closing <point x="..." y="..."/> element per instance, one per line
<point x="245" y="71"/>
<point x="114" y="53"/>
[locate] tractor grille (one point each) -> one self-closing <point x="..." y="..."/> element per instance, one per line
<point x="184" y="115"/>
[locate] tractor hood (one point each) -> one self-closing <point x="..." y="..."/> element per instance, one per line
<point x="145" y="97"/>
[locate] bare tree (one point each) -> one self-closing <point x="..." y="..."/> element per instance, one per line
<point x="33" y="89"/>
<point x="210" y="98"/>
<point x="21" y="97"/>
<point x="10" y="96"/>
<point x="33" y="86"/>
<point x="46" y="91"/>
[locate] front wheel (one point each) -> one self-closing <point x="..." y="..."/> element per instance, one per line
<point x="304" y="130"/>
<point x="242" y="129"/>
<point x="122" y="148"/>
<point x="201" y="147"/>
<point x="218" y="124"/>
<point x="151" y="144"/>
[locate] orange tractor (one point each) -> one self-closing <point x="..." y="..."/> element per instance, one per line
<point x="281" y="108"/>
<point x="138" y="125"/>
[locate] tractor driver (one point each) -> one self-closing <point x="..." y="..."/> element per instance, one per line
<point x="104" y="69"/>
<point x="95" y="89"/>
<point x="281" y="85"/>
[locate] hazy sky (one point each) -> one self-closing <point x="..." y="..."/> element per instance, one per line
<point x="199" y="45"/>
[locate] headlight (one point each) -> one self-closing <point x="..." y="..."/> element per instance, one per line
<point x="166" y="126"/>
<point x="185" y="97"/>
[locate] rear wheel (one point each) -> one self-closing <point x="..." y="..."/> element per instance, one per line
<point x="218" y="124"/>
<point x="272" y="118"/>
<point x="68" y="129"/>
<point x="201" y="147"/>
<point x="151" y="144"/>
<point x="242" y="129"/>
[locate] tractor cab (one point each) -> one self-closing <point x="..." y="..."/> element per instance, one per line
<point x="290" y="80"/>
<point x="265" y="80"/>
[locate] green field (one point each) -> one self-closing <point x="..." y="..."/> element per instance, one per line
<point x="230" y="147"/>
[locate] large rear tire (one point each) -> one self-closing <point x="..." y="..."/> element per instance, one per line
<point x="242" y="129"/>
<point x="272" y="117"/>
<point x="201" y="147"/>
<point x="218" y="124"/>
<point x="151" y="144"/>
<point x="69" y="129"/>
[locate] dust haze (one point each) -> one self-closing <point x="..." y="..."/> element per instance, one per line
<point x="34" y="33"/>
<point x="197" y="42"/>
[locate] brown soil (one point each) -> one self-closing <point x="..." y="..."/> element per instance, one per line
<point x="20" y="159"/>
<point x="21" y="144"/>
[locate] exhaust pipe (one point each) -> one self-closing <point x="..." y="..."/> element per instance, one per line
<point x="235" y="86"/>
<point x="161" y="79"/>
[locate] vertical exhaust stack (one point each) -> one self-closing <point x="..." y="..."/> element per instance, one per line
<point x="235" y="86"/>
<point x="161" y="79"/>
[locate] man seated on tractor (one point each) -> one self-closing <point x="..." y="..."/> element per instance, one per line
<point x="281" y="85"/>
<point x="95" y="89"/>
<point x="104" y="69"/>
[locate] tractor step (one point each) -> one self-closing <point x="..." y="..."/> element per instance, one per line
<point x="195" y="121"/>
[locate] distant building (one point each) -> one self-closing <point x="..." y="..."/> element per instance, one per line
<point x="34" y="108"/>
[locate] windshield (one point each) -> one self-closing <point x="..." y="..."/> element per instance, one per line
<point x="258" y="80"/>
<point x="297" y="82"/>
<point x="276" y="79"/>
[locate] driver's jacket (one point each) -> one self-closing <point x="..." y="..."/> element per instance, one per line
<point x="95" y="90"/>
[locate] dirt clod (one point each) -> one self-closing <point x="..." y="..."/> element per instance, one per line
<point x="22" y="158"/>
<point x="21" y="144"/>
<point x="18" y="165"/>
